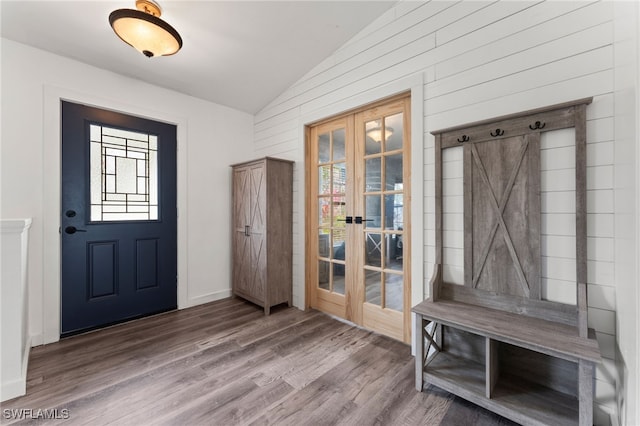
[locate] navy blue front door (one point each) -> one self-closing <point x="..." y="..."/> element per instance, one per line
<point x="118" y="218"/>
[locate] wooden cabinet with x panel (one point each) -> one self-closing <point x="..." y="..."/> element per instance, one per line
<point x="262" y="231"/>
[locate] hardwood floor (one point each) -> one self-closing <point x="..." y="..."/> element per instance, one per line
<point x="225" y="363"/>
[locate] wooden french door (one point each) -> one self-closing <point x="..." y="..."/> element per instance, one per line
<point x="358" y="237"/>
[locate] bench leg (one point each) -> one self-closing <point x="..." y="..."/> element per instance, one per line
<point x="585" y="391"/>
<point x="419" y="344"/>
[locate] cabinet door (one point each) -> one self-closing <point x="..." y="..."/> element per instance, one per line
<point x="257" y="268"/>
<point x="241" y="219"/>
<point x="249" y="231"/>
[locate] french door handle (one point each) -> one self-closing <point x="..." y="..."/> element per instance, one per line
<point x="359" y="220"/>
<point x="347" y="219"/>
<point x="73" y="230"/>
<point x="247" y="233"/>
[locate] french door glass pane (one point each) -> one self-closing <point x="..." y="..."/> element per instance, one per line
<point x="324" y="243"/>
<point x="393" y="171"/>
<point x="339" y="178"/>
<point x="393" y="211"/>
<point x="394" y="141"/>
<point x="338" y="144"/>
<point x="393" y="286"/>
<point x="394" y="252"/>
<point x="373" y="287"/>
<point x="324" y="211"/>
<point x="373" y="249"/>
<point x="339" y="244"/>
<point x="373" y="174"/>
<point x="373" y="211"/>
<point x="323" y="274"/>
<point x="324" y="180"/>
<point x="338" y="278"/>
<point x="324" y="144"/>
<point x="339" y="212"/>
<point x="373" y="136"/>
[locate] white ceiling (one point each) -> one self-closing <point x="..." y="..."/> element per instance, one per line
<point x="236" y="53"/>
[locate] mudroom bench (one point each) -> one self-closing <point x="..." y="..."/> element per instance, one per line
<point x="495" y="331"/>
<point x="529" y="370"/>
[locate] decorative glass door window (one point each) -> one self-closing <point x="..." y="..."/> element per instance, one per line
<point x="124" y="175"/>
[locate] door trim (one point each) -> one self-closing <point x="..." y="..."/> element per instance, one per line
<point x="415" y="84"/>
<point x="51" y="250"/>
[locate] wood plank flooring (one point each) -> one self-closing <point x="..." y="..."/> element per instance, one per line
<point x="225" y="363"/>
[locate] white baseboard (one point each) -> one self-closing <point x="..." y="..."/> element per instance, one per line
<point x="206" y="298"/>
<point x="37" y="340"/>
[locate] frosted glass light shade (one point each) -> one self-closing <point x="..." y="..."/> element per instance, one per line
<point x="147" y="33"/>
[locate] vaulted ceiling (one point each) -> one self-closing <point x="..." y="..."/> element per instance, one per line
<point x="241" y="54"/>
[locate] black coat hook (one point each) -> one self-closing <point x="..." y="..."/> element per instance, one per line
<point x="497" y="133"/>
<point x="465" y="138"/>
<point x="537" y="125"/>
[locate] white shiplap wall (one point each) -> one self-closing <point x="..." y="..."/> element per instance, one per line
<point x="558" y="209"/>
<point x="480" y="60"/>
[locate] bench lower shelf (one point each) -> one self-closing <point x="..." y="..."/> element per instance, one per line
<point x="513" y="398"/>
<point x="531" y="371"/>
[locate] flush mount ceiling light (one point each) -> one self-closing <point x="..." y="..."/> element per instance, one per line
<point x="144" y="30"/>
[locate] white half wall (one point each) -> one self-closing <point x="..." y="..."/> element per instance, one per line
<point x="33" y="83"/>
<point x="15" y="342"/>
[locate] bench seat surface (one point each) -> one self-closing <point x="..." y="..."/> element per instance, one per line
<point x="543" y="336"/>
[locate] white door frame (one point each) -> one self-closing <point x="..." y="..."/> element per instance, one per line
<point x="52" y="191"/>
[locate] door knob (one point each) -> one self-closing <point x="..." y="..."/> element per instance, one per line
<point x="73" y="230"/>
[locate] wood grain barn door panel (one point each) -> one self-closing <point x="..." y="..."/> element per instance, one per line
<point x="250" y="193"/>
<point x="502" y="215"/>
